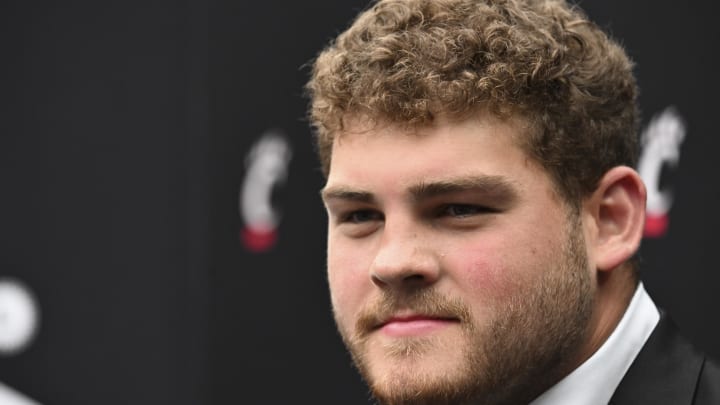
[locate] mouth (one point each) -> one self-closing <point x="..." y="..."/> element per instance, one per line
<point x="414" y="325"/>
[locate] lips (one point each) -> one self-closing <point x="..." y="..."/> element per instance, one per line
<point x="414" y="325"/>
<point x="423" y="312"/>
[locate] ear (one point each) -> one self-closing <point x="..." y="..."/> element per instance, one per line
<point x="617" y="208"/>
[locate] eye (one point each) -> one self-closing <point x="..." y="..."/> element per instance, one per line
<point x="464" y="210"/>
<point x="359" y="223"/>
<point x="361" y="216"/>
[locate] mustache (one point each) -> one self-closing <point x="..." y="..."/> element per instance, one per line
<point x="422" y="302"/>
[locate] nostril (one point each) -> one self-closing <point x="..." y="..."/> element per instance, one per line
<point x="411" y="280"/>
<point x="414" y="278"/>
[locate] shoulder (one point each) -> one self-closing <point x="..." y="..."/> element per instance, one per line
<point x="669" y="370"/>
<point x="708" y="390"/>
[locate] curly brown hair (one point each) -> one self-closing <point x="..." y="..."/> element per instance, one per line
<point x="408" y="62"/>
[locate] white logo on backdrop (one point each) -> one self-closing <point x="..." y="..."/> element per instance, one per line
<point x="18" y="316"/>
<point x="9" y="396"/>
<point x="660" y="143"/>
<point x="266" y="168"/>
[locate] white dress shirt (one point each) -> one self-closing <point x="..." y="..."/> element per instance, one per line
<point x="595" y="381"/>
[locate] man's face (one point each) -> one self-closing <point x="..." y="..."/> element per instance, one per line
<point x="456" y="273"/>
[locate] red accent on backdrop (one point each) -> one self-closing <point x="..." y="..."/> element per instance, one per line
<point x="656" y="225"/>
<point x="258" y="240"/>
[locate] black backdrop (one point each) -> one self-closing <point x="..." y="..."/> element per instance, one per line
<point x="125" y="131"/>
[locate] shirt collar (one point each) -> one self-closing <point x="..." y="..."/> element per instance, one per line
<point x="594" y="382"/>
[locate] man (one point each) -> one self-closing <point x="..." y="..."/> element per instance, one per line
<point x="484" y="213"/>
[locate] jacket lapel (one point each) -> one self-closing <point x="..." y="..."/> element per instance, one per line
<point x="665" y="371"/>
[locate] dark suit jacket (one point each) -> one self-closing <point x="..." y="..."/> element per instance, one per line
<point x="669" y="371"/>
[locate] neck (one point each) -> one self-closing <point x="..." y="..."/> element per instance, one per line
<point x="615" y="289"/>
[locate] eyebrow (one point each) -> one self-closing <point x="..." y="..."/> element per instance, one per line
<point x="498" y="188"/>
<point x="346" y="193"/>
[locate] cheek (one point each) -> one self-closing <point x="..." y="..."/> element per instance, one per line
<point x="488" y="279"/>
<point x="489" y="273"/>
<point x="347" y="278"/>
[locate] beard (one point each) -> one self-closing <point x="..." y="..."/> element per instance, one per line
<point x="531" y="340"/>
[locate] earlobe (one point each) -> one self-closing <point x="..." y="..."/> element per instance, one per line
<point x="618" y="206"/>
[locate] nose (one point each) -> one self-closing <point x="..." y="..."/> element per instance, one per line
<point x="404" y="259"/>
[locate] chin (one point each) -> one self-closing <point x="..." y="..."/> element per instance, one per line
<point x="418" y="371"/>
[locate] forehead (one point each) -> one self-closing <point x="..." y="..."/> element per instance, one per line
<point x="446" y="148"/>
